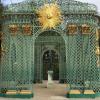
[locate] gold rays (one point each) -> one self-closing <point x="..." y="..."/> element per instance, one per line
<point x="49" y="15"/>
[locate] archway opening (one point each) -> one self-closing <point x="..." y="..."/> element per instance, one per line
<point x="50" y="55"/>
<point x="50" y="63"/>
<point x="52" y="45"/>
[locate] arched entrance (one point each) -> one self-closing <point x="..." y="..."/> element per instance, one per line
<point x="46" y="42"/>
<point x="51" y="63"/>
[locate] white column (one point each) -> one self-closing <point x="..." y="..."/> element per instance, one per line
<point x="50" y="78"/>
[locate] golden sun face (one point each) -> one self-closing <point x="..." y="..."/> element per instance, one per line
<point x="49" y="15"/>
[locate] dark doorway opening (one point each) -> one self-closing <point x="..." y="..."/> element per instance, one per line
<point x="51" y="63"/>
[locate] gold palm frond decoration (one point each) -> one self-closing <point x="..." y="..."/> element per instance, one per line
<point x="2" y="51"/>
<point x="49" y="15"/>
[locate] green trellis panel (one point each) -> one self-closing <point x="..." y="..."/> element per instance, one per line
<point x="17" y="68"/>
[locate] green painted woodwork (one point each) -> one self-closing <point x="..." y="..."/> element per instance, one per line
<point x="49" y="40"/>
<point x="81" y="96"/>
<point x="21" y="64"/>
<point x="17" y="96"/>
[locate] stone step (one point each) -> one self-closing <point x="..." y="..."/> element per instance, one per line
<point x="89" y="92"/>
<point x="74" y="92"/>
<point x="26" y="92"/>
<point x="11" y="92"/>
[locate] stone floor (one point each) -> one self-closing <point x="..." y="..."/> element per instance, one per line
<point x="55" y="92"/>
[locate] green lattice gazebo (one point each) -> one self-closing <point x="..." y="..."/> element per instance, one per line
<point x="24" y="42"/>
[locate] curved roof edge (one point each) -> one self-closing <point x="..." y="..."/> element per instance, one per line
<point x="67" y="6"/>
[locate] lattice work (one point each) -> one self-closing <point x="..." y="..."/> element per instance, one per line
<point x="68" y="6"/>
<point x="13" y="75"/>
<point x="82" y="72"/>
<point x="18" y="70"/>
<point x="48" y="40"/>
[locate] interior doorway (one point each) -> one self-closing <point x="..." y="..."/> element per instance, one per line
<point x="50" y="63"/>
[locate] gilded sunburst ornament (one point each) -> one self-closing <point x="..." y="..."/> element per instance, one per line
<point x="49" y="15"/>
